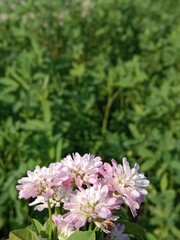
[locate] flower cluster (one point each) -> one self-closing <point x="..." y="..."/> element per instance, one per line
<point x="88" y="191"/>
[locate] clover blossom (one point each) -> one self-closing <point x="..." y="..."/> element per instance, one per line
<point x="58" y="197"/>
<point x="64" y="228"/>
<point x="91" y="204"/>
<point x="42" y="182"/>
<point x="126" y="183"/>
<point x="88" y="191"/>
<point x="83" y="169"/>
<point x="117" y="233"/>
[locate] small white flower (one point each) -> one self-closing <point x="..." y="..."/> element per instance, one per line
<point x="83" y="169"/>
<point x="91" y="204"/>
<point x="64" y="228"/>
<point x="126" y="183"/>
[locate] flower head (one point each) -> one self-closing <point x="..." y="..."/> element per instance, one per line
<point x="60" y="196"/>
<point x="91" y="204"/>
<point x="42" y="181"/>
<point x="83" y="169"/>
<point x="117" y="233"/>
<point x="64" y="228"/>
<point x="126" y="182"/>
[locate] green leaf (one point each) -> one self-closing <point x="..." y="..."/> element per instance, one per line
<point x="36" y="226"/>
<point x="83" y="235"/>
<point x="8" y="82"/>
<point x="23" y="234"/>
<point x="78" y="70"/>
<point x="134" y="131"/>
<point x="148" y="164"/>
<point x="46" y="111"/>
<point x="164" y="182"/>
<point x="35" y="125"/>
<point x="18" y="78"/>
<point x="59" y="149"/>
<point x="150" y="236"/>
<point x="144" y="152"/>
<point x="134" y="229"/>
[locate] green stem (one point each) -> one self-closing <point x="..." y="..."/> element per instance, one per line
<point x="107" y="111"/>
<point x="96" y="229"/>
<point x="50" y="221"/>
<point x="57" y="210"/>
<point x="90" y="226"/>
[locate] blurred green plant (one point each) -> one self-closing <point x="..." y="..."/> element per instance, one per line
<point x="91" y="76"/>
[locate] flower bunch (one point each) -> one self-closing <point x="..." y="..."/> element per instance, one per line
<point x="84" y="194"/>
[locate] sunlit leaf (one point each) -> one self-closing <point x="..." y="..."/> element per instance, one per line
<point x="23" y="234"/>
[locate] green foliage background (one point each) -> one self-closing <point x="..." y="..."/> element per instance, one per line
<point x="98" y="76"/>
